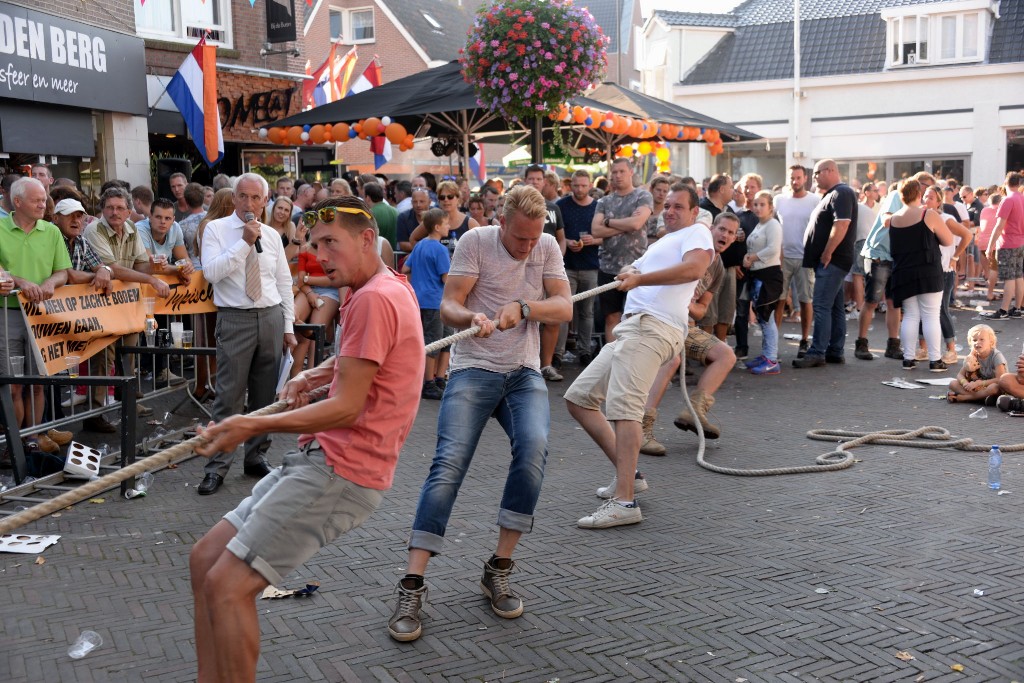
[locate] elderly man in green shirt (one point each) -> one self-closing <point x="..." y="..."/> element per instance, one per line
<point x="32" y="251"/>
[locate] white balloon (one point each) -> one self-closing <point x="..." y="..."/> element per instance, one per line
<point x="304" y="137"/>
<point x="386" y="120"/>
<point x="263" y="132"/>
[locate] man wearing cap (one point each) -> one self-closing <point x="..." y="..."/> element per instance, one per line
<point x="86" y="266"/>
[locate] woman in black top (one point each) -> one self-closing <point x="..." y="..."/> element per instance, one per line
<point x="915" y="234"/>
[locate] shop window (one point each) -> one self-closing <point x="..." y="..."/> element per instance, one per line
<point x="184" y="20"/>
<point x="352" y="26"/>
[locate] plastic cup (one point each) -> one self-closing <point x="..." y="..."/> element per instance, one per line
<point x="159" y="259"/>
<point x="73" y="362"/>
<point x="181" y="263"/>
<point x="17" y="366"/>
<point x="176" y="330"/>
<point x="87" y="642"/>
<point x="149" y="302"/>
<point x="187" y="337"/>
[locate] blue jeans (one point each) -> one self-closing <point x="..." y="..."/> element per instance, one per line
<point x="519" y="401"/>
<point x="829" y="312"/>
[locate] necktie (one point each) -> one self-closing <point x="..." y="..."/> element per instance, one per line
<point x="253" y="284"/>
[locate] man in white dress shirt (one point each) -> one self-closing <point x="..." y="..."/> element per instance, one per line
<point x="253" y="293"/>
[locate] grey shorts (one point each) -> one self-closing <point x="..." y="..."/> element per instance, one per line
<point x="858" y="260"/>
<point x="17" y="342"/>
<point x="1011" y="263"/>
<point x="801" y="279"/>
<point x="876" y="281"/>
<point x="295" y="511"/>
<point x="725" y="300"/>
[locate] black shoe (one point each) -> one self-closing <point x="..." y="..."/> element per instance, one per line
<point x="742" y="352"/>
<point x="584" y="360"/>
<point x="258" y="469"/>
<point x="211" y="482"/>
<point x="937" y="366"/>
<point x="431" y="391"/>
<point x="1009" y="404"/>
<point x="809" y="362"/>
<point x="802" y="350"/>
<point x="98" y="424"/>
<point x="556" y="362"/>
<point x="991" y="401"/>
<point x="441" y="383"/>
<point x="909" y="364"/>
<point x="1014" y="312"/>
<point x="1000" y="313"/>
<point x="836" y="360"/>
<point x="861" y="350"/>
<point x="893" y="349"/>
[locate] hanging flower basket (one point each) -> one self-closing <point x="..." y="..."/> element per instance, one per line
<point x="525" y="58"/>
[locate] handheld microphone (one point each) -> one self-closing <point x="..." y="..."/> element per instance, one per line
<point x="250" y="216"/>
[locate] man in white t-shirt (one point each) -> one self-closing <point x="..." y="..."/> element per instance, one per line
<point x="659" y="285"/>
<point x="794" y="212"/>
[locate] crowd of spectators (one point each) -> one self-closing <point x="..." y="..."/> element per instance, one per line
<point x="810" y="249"/>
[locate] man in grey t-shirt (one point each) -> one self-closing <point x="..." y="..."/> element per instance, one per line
<point x="508" y="278"/>
<point x="620" y="223"/>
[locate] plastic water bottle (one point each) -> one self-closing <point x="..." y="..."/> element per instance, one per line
<point x="995" y="460"/>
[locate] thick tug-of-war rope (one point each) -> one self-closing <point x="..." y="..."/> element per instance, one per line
<point x="923" y="437"/>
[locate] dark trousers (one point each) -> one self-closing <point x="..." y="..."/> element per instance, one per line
<point x="249" y="344"/>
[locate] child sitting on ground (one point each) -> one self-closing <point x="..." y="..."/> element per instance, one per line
<point x="979" y="377"/>
<point x="427" y="267"/>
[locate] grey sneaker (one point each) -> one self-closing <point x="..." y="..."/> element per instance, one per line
<point x="606" y="492"/>
<point x="404" y="625"/>
<point x="496" y="587"/>
<point x="550" y="374"/>
<point x="612" y="513"/>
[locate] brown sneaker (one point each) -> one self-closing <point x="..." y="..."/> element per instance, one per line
<point x="405" y="625"/>
<point x="650" y="445"/>
<point x="45" y="443"/>
<point x="495" y="586"/>
<point x="701" y="405"/>
<point x="59" y="437"/>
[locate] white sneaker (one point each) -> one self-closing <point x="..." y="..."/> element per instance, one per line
<point x="606" y="492"/>
<point x="550" y="374"/>
<point x="75" y="400"/>
<point x="611" y="513"/>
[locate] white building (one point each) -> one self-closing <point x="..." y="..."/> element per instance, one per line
<point x="886" y="87"/>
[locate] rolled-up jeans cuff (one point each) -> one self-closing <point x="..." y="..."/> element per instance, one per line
<point x="424" y="540"/>
<point x="515" y="521"/>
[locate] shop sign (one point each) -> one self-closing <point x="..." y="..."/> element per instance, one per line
<point x="256" y="110"/>
<point x="44" y="58"/>
<point x="280" y="21"/>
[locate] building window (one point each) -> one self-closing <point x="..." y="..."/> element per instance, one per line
<point x="351" y="26"/>
<point x="434" y="23"/>
<point x="184" y="20"/>
<point x="938" y="37"/>
<point x="908" y="37"/>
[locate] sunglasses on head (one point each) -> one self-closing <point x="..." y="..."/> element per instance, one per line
<point x="328" y="214"/>
<point x="447" y="196"/>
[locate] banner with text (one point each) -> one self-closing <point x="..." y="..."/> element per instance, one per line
<point x="80" y="321"/>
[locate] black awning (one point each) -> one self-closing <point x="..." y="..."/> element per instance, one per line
<point x="46" y="129"/>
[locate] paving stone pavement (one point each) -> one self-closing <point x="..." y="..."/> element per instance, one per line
<point x="818" y="577"/>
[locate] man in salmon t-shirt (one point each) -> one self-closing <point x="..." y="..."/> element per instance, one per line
<point x="348" y="448"/>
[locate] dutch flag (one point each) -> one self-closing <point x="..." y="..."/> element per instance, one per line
<point x="194" y="91"/>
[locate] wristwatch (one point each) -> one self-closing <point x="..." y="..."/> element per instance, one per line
<point x="108" y="268"/>
<point x="524" y="308"/>
<point x="606" y="219"/>
<point x="305" y="279"/>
